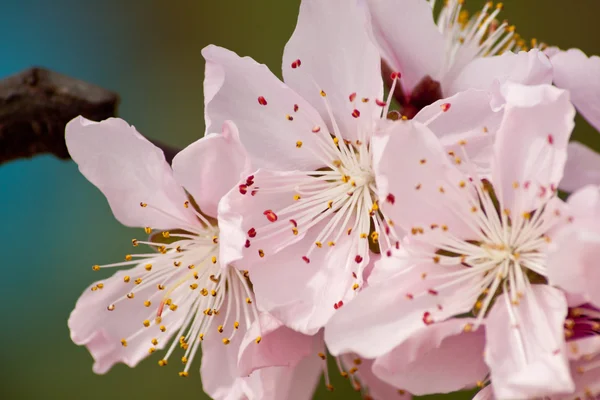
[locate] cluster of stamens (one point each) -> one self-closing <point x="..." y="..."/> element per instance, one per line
<point x="183" y="275"/>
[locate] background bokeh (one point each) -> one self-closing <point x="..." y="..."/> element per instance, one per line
<point x="56" y="225"/>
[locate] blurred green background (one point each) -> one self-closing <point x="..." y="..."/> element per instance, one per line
<point x="57" y="225"/>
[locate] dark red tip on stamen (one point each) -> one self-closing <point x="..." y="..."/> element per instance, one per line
<point x="391" y="199"/>
<point x="354" y="275"/>
<point x="358" y="259"/>
<point x="380" y="103"/>
<point x="295" y="107"/>
<point x="253" y="192"/>
<point x="296" y="64"/>
<point x="250" y="180"/>
<point x="550" y="139"/>
<point x="252" y="232"/>
<point x="306" y="259"/>
<point x="247" y="244"/>
<point x="526" y="184"/>
<point x="293" y="222"/>
<point x="445" y="107"/>
<point x="352" y="97"/>
<point x="338" y="304"/>
<point x="243" y="189"/>
<point x="409" y="296"/>
<point x="427" y="318"/>
<point x="432" y="292"/>
<point x="388" y="253"/>
<point x="395" y="75"/>
<point x="356" y="113"/>
<point x="262" y="101"/>
<point x="271" y="216"/>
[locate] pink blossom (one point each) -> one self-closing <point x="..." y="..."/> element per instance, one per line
<point x="457" y="51"/>
<point x="305" y="222"/>
<point x="476" y="246"/>
<point x="579" y="74"/>
<point x="183" y="295"/>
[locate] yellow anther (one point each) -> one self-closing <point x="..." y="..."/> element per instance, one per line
<point x="173" y="307"/>
<point x="123" y="342"/>
<point x="184" y="374"/>
<point x="194" y="286"/>
<point x="138" y="281"/>
<point x="248" y="300"/>
<point x="186" y="204"/>
<point x="166" y="234"/>
<point x="213" y="293"/>
<point x="226" y="341"/>
<point x="337" y="163"/>
<point x="526" y="215"/>
<point x="146" y="323"/>
<point x="158" y="320"/>
<point x="110" y="307"/>
<point x="261" y="253"/>
<point x="191" y="266"/>
<point x="162" y="328"/>
<point x="345" y="178"/>
<point x="355" y="286"/>
<point x="220" y="328"/>
<point x="331" y="243"/>
<point x="213" y="259"/>
<point x="215" y="239"/>
<point x="147" y="303"/>
<point x="363" y="235"/>
<point x="162" y="363"/>
<point x="154" y="341"/>
<point x="184" y="360"/>
<point x="176" y="263"/>
<point x="336" y="141"/>
<point x="322" y="356"/>
<point x="422" y="161"/>
<point x="319" y="244"/>
<point x="462" y="184"/>
<point x="236" y="324"/>
<point x="204" y="292"/>
<point x="148" y="267"/>
<point x="201" y="336"/>
<point x="295" y="231"/>
<point x="299" y="144"/>
<point x="148" y="230"/>
<point x="436" y="259"/>
<point x="330" y="204"/>
<point x="130" y="295"/>
<point x="128" y="257"/>
<point x="323" y="93"/>
<point x="258" y="339"/>
<point x="134" y="242"/>
<point x="143" y="205"/>
<point x="462" y="142"/>
<point x="96" y="268"/>
<point x="297" y="197"/>
<point x="500" y="6"/>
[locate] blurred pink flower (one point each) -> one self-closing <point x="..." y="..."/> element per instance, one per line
<point x="182" y="295"/>
<point x="303" y="224"/>
<point x="458" y="51"/>
<point x="475" y="245"/>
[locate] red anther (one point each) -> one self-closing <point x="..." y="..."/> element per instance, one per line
<point x="427" y="320"/>
<point x="295" y="107"/>
<point x="354" y="275"/>
<point x="316" y="129"/>
<point x="340" y="303"/>
<point x="388" y="253"/>
<point x="445" y="107"/>
<point x="395" y="75"/>
<point x="390" y="198"/>
<point x="358" y="259"/>
<point x="439" y="307"/>
<point x="250" y="180"/>
<point x="306" y="259"/>
<point x="380" y="103"/>
<point x="247" y="243"/>
<point x="252" y="232"/>
<point x="253" y="192"/>
<point x="543" y="191"/>
<point x="409" y="296"/>
<point x="387" y="230"/>
<point x="550" y="139"/>
<point x="293" y="222"/>
<point x="271" y="216"/>
<point x="296" y="64"/>
<point x="432" y="292"/>
<point x="335" y="306"/>
<point x="356" y="113"/>
<point x="262" y="101"/>
<point x="243" y="189"/>
<point x="397" y="245"/>
<point x="526" y="184"/>
<point x="352" y="97"/>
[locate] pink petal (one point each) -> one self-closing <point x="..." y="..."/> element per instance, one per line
<point x="219" y="370"/>
<point x="580" y="75"/>
<point x="527" y="68"/>
<point x="129" y="170"/>
<point x="393" y="311"/>
<point x="573" y="257"/>
<point x="263" y="110"/>
<point x="527" y="353"/>
<point x="291" y="383"/>
<point x="371" y="384"/>
<point x="330" y="50"/>
<point x="411" y="164"/>
<point x="211" y="166"/>
<point x="487" y="393"/>
<point x="279" y="346"/>
<point x="582" y="168"/>
<point x="303" y="295"/>
<point x="469" y="119"/>
<point x="408" y="39"/>
<point x="584" y="348"/>
<point x="442" y="358"/>
<point x="101" y="331"/>
<point x="531" y="146"/>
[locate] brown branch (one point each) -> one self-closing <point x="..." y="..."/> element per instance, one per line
<point x="35" y="106"/>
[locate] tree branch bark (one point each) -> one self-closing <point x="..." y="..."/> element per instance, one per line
<point x="36" y="105"/>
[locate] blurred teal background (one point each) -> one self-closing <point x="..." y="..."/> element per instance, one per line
<point x="56" y="225"/>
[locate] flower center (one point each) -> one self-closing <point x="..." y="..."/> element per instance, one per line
<point x="181" y="288"/>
